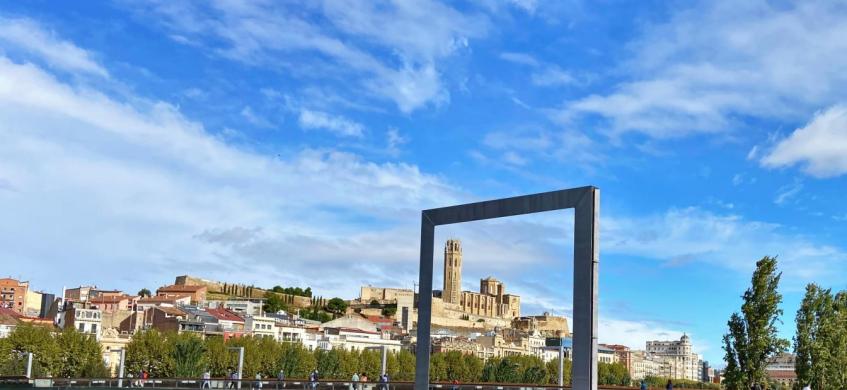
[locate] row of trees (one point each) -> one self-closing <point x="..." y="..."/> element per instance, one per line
<point x="186" y="355"/>
<point x="65" y="354"/>
<point x="300" y="292"/>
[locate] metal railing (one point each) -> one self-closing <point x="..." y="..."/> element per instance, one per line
<point x="263" y="384"/>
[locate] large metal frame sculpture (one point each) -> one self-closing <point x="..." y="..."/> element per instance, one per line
<point x="586" y="204"/>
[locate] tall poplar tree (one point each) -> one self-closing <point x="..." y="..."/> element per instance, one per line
<point x="752" y="338"/>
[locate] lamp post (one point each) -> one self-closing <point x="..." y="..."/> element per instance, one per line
<point x="29" y="365"/>
<point x="240" y="363"/>
<point x="121" y="368"/>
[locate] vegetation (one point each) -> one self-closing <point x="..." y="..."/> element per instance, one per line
<point x="336" y="306"/>
<point x="297" y="291"/>
<point x="274" y="303"/>
<point x="660" y="382"/>
<point x="65" y="354"/>
<point x="144" y="292"/>
<point x="389" y="311"/>
<point x="752" y="339"/>
<point x="821" y="339"/>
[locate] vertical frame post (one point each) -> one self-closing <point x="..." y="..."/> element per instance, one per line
<point x="423" y="346"/>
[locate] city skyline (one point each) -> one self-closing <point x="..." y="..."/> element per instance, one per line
<point x="296" y="144"/>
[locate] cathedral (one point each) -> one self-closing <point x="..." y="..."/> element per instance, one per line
<point x="490" y="301"/>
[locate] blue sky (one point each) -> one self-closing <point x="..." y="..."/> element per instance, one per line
<point x="296" y="143"/>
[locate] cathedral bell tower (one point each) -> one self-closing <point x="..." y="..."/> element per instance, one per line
<point x="452" y="292"/>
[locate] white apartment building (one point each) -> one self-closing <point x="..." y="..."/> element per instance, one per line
<point x="87" y="321"/>
<point x="349" y="339"/>
<point x="677" y="357"/>
<point x="644" y="365"/>
<point x="290" y="332"/>
<point x="260" y="326"/>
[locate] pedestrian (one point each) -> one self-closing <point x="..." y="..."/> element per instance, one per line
<point x="258" y="383"/>
<point x="455" y="384"/>
<point x="131" y="383"/>
<point x="144" y="376"/>
<point x="364" y="381"/>
<point x="207" y="383"/>
<point x="354" y="382"/>
<point x="669" y="386"/>
<point x="313" y="379"/>
<point x="643" y="385"/>
<point x="280" y="379"/>
<point x="383" y="380"/>
<point x="233" y="377"/>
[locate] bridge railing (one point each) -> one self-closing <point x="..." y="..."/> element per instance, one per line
<point x="264" y="384"/>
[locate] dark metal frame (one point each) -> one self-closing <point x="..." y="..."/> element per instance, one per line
<point x="586" y="204"/>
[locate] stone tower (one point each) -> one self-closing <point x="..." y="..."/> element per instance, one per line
<point x="452" y="292"/>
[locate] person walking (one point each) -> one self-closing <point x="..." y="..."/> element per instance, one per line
<point x="383" y="380"/>
<point x="233" y="378"/>
<point x="280" y="379"/>
<point x="354" y="382"/>
<point x="364" y="381"/>
<point x="669" y="386"/>
<point x="257" y="384"/>
<point x="643" y="385"/>
<point x="313" y="379"/>
<point x="207" y="383"/>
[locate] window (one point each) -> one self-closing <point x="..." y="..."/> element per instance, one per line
<point x="94" y="328"/>
<point x="82" y="327"/>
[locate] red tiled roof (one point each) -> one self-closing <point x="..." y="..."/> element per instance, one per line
<point x="224" y="314"/>
<point x="10" y="312"/>
<point x="380" y="319"/>
<point x="171" y="310"/>
<point x="180" y="288"/>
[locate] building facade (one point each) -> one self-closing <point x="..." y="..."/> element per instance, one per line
<point x="13" y="294"/>
<point x="452" y="292"/>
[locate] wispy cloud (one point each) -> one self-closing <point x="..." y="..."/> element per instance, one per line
<point x="787" y="193"/>
<point x="33" y="38"/>
<point x="419" y="36"/>
<point x="339" y="125"/>
<point x="253" y="118"/>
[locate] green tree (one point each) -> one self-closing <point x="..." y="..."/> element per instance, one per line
<point x="336" y="306"/>
<point x="28" y="338"/>
<point x="144" y="293"/>
<point x="79" y="355"/>
<point x="149" y="350"/>
<point x="553" y="369"/>
<point x="274" y="303"/>
<point x="189" y="355"/>
<point x="389" y="311"/>
<point x="752" y="338"/>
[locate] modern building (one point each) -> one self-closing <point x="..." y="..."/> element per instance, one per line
<point x="244" y="306"/>
<point x="47" y="302"/>
<point x="13" y="294"/>
<point x="172" y="319"/>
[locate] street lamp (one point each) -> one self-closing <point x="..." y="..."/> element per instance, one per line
<point x="240" y="362"/>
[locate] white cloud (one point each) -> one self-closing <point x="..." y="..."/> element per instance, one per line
<point x="520" y="58"/>
<point x="112" y="185"/>
<point x="393" y="50"/>
<point x="820" y="146"/>
<point x="31" y="37"/>
<point x="729" y="241"/>
<point x="253" y="118"/>
<point x="787" y="193"/>
<point x="552" y="76"/>
<point x="339" y="125"/>
<point x="394" y="140"/>
<point x="718" y="60"/>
